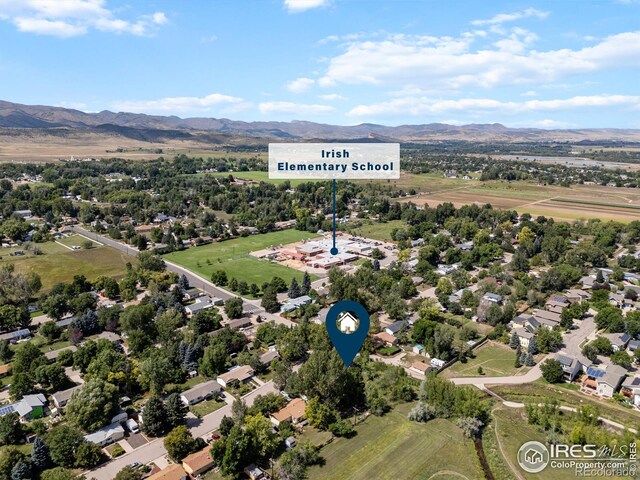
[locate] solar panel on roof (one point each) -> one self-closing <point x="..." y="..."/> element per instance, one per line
<point x="594" y="372"/>
<point x="6" y="409"/>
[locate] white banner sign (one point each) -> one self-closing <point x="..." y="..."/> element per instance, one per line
<point x="340" y="161"/>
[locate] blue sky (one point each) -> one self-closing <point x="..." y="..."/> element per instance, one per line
<point x="555" y="64"/>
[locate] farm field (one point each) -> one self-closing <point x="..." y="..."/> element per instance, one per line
<point x="562" y="203"/>
<point x="233" y="257"/>
<point x="59" y="264"/>
<point x="256" y="175"/>
<point x="496" y="361"/>
<point x="391" y="447"/>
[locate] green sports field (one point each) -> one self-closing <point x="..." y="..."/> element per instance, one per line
<point x="233" y="257"/>
<point x="393" y="448"/>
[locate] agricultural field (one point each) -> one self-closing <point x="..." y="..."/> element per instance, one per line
<point x="561" y="203"/>
<point x="233" y="257"/>
<point x="255" y="175"/>
<point x="391" y="447"/>
<point x="495" y="359"/>
<point x="426" y="182"/>
<point x="59" y="264"/>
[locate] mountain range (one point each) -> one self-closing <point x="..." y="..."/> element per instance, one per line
<point x="17" y="118"/>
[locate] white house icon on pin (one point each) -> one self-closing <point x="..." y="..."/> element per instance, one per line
<point x="347" y="323"/>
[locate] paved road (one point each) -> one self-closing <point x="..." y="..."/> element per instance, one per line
<point x="155" y="448"/>
<point x="195" y="280"/>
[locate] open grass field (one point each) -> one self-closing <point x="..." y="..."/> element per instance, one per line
<point x="205" y="408"/>
<point x="76" y="241"/>
<point x="59" y="264"/>
<point x="425" y="182"/>
<point x="393" y="448"/>
<point x="376" y="230"/>
<point x="495" y="359"/>
<point x="540" y="391"/>
<point x="233" y="257"/>
<point x="513" y="431"/>
<point x="562" y="203"/>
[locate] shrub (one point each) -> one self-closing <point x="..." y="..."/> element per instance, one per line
<point x="422" y="412"/>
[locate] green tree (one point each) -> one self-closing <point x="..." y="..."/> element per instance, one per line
<point x="176" y="410"/>
<point x="156" y="421"/>
<point x="40" y="457"/>
<point x="265" y="441"/>
<point x="270" y="300"/>
<point x="10" y="429"/>
<point x="552" y="371"/>
<point x="63" y="442"/>
<point x="129" y="473"/>
<point x="180" y="443"/>
<point x="213" y="361"/>
<point x="233" y="307"/>
<point x="88" y="455"/>
<point x="621" y="358"/>
<point x="93" y="405"/>
<point x="319" y="414"/>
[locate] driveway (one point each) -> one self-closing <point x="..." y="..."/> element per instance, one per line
<point x="137" y="440"/>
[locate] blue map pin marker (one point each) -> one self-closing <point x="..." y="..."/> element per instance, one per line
<point x="347" y="324"/>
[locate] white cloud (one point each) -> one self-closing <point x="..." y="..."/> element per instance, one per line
<point x="296" y="108"/>
<point x="177" y="104"/>
<point x="295" y="6"/>
<point x="501" y="18"/>
<point x="434" y="62"/>
<point x="530" y="93"/>
<point x="332" y="96"/>
<point x="209" y="39"/>
<point x="550" y="123"/>
<point x="417" y="106"/>
<point x="68" y="18"/>
<point x="300" y="85"/>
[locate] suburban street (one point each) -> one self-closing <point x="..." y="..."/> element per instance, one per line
<point x="155" y="448"/>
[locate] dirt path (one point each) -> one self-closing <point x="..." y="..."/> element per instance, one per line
<point x="513" y="469"/>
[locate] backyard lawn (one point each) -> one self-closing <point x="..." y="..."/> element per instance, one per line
<point x="59" y="264"/>
<point x="77" y="241"/>
<point x="233" y="257"/>
<point x="391" y="447"/>
<point x="495" y="359"/>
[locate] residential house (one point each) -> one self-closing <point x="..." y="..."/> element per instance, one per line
<point x="618" y="300"/>
<point x="239" y="374"/>
<point x="544" y="314"/>
<point x="555" y="306"/>
<point x="5" y="369"/>
<point x="572" y="366"/>
<point x="525" y="336"/>
<point x="421" y="367"/>
<point x="238" y="323"/>
<point x="631" y="389"/>
<point x="61" y="398"/>
<point x="633" y="345"/>
<point x="28" y="407"/>
<point x="106" y="435"/>
<point x="201" y="303"/>
<point x="603" y="380"/>
<point x="576" y="295"/>
<point x="294" y="411"/>
<point x="418" y="349"/>
<point x="192" y="294"/>
<point x="294" y="303"/>
<point x="171" y="472"/>
<point x="492" y="298"/>
<point x="395" y="327"/>
<point x="587" y="282"/>
<point x="267" y="357"/>
<point x="111" y="336"/>
<point x="465" y="246"/>
<point x="52" y="355"/>
<point x="198" y="463"/>
<point x="200" y="392"/>
<point x="17" y="335"/>
<point x="618" y="341"/>
<point x="387" y="339"/>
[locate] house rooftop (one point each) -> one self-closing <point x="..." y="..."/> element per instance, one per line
<point x="171" y="472"/>
<point x="198" y="460"/>
<point x="202" y="390"/>
<point x="104" y="433"/>
<point x="294" y="409"/>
